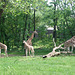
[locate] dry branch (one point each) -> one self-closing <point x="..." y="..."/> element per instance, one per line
<point x="54" y="43"/>
<point x="53" y="53"/>
<point x="58" y="47"/>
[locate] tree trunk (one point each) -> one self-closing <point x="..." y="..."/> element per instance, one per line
<point x="28" y="27"/>
<point x="25" y="26"/>
<point x="24" y="33"/>
<point x="55" y="22"/>
<point x="64" y="30"/>
<point x="1" y="11"/>
<point x="34" y="21"/>
<point x="69" y="28"/>
<point x="67" y="22"/>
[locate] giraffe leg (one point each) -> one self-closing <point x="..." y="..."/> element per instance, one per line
<point x="68" y="49"/>
<point x="29" y="53"/>
<point x="64" y="48"/>
<point x="72" y="48"/>
<point x="33" y="52"/>
<point x="0" y="51"/>
<point x="26" y="52"/>
<point x="6" y="52"/>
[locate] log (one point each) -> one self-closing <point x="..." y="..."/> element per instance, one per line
<point x="54" y="53"/>
<point x="51" y="54"/>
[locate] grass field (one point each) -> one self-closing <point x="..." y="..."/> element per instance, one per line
<point x="17" y="64"/>
<point x="21" y="65"/>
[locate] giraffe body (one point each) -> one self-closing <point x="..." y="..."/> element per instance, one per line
<point x="29" y="48"/>
<point x="29" y="41"/>
<point x="70" y="42"/>
<point x="3" y="46"/>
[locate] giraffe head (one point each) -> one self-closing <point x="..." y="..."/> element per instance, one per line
<point x="35" y="32"/>
<point x="23" y="41"/>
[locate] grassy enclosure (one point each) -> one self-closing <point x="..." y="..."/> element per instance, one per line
<point x="21" y="65"/>
<point x="19" y="19"/>
<point x="18" y="64"/>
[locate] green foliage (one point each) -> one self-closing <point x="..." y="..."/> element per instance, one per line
<point x="42" y="31"/>
<point x="13" y="21"/>
<point x="16" y="22"/>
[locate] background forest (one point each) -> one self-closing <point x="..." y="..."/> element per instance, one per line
<point x="18" y="18"/>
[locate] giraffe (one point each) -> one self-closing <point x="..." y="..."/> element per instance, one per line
<point x="70" y="42"/>
<point x="3" y="46"/>
<point x="28" y="48"/>
<point x="29" y="41"/>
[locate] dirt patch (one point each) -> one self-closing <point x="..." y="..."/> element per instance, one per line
<point x="10" y="55"/>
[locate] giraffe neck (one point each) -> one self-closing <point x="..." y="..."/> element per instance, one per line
<point x="26" y="44"/>
<point x="32" y="36"/>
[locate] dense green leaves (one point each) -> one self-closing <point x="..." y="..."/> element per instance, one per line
<point x="17" y="19"/>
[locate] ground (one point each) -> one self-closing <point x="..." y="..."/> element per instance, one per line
<point x="17" y="64"/>
<point x="21" y="65"/>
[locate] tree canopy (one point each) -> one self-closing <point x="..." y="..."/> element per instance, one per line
<point x="19" y="17"/>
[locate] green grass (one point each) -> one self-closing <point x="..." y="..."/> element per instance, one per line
<point x="20" y="65"/>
